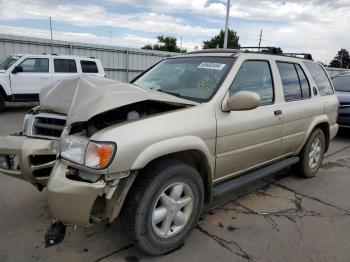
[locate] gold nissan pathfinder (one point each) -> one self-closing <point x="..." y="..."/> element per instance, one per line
<point x="155" y="151"/>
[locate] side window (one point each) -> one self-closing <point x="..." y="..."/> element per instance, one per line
<point x="290" y="81"/>
<point x="35" y="65"/>
<point x="304" y="83"/>
<point x="320" y="77"/>
<point x="255" y="76"/>
<point x="88" y="66"/>
<point x="65" y="66"/>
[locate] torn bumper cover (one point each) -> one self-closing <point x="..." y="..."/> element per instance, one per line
<point x="27" y="158"/>
<point x="72" y="201"/>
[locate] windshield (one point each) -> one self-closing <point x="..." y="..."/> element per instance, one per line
<point x="8" y="61"/>
<point x="193" y="78"/>
<point x="342" y="83"/>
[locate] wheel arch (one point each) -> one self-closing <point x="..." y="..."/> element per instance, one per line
<point x="322" y="123"/>
<point x="190" y="150"/>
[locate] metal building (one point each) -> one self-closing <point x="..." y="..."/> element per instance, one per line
<point x="120" y="63"/>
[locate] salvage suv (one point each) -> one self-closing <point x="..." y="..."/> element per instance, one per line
<point x="154" y="152"/>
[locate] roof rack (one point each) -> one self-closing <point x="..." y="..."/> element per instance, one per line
<point x="254" y="49"/>
<point x="215" y="50"/>
<point x="300" y="55"/>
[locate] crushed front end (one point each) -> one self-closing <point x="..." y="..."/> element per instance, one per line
<point x="31" y="154"/>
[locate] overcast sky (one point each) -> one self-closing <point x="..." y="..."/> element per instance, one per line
<point x="320" y="27"/>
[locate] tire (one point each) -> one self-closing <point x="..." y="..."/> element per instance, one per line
<point x="139" y="218"/>
<point x="2" y="103"/>
<point x="315" y="145"/>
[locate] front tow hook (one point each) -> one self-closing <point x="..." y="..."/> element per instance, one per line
<point x="55" y="234"/>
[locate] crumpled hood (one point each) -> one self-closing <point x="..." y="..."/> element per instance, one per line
<point x="81" y="98"/>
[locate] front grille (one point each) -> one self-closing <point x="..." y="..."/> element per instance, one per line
<point x="45" y="125"/>
<point x="48" y="127"/>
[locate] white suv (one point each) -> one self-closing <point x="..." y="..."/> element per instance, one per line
<point x="22" y="75"/>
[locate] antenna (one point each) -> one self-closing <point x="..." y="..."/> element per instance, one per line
<point x="51" y="35"/>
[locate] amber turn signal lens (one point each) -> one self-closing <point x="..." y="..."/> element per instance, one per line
<point x="99" y="155"/>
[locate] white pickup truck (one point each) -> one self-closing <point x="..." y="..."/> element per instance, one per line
<point x="23" y="75"/>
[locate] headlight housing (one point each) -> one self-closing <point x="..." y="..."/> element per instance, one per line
<point x="80" y="150"/>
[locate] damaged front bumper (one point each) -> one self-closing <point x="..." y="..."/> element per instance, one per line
<point x="74" y="200"/>
<point x="29" y="159"/>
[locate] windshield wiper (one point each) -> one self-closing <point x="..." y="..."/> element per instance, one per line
<point x="169" y="92"/>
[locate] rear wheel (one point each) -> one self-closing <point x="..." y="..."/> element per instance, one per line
<point x="163" y="206"/>
<point x="312" y="154"/>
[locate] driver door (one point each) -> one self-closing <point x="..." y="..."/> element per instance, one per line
<point x="251" y="138"/>
<point x="35" y="74"/>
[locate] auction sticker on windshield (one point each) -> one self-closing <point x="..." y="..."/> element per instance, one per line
<point x="212" y="66"/>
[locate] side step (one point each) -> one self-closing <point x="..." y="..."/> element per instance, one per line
<point x="246" y="179"/>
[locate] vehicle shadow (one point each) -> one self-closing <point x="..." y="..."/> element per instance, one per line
<point x="19" y="107"/>
<point x="344" y="133"/>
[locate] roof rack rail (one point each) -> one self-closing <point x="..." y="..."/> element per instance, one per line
<point x="300" y="55"/>
<point x="215" y="50"/>
<point x="254" y="49"/>
<point x="54" y="54"/>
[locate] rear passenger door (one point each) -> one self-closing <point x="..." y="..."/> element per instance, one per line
<point x="298" y="109"/>
<point x="63" y="68"/>
<point x="250" y="138"/>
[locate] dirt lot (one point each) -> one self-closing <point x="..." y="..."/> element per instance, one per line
<point x="289" y="219"/>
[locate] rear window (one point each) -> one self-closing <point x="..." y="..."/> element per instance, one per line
<point x="88" y="66"/>
<point x="320" y="77"/>
<point x="65" y="66"/>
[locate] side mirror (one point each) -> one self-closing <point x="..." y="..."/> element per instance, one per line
<point x="242" y="100"/>
<point x="17" y="69"/>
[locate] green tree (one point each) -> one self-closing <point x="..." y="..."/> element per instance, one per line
<point x="218" y="40"/>
<point x="341" y="60"/>
<point x="165" y="43"/>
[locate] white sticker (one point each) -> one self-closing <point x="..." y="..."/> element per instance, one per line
<point x="212" y="66"/>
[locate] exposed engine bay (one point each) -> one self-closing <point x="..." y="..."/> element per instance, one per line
<point x="122" y="114"/>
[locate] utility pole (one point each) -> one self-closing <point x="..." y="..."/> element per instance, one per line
<point x="51" y="35"/>
<point x="226" y="24"/>
<point x="260" y="40"/>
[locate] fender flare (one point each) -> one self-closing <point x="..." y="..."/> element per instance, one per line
<point x="323" y="119"/>
<point x="173" y="145"/>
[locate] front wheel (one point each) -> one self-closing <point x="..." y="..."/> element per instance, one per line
<point x="163" y="206"/>
<point x="312" y="154"/>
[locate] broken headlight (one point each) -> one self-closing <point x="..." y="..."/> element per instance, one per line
<point x="81" y="150"/>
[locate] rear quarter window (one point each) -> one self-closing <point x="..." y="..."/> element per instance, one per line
<point x="88" y="66"/>
<point x="320" y="77"/>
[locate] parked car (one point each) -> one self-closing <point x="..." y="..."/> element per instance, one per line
<point x="342" y="87"/>
<point x="156" y="150"/>
<point x="22" y="75"/>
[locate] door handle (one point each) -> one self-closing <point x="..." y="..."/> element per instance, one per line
<point x="277" y="112"/>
